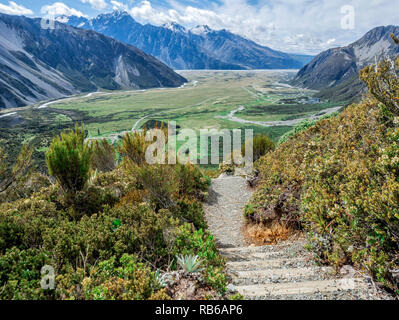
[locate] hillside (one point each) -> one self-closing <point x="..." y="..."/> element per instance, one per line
<point x="335" y="71"/>
<point x="338" y="181"/>
<point x="196" y="48"/>
<point x="112" y="231"/>
<point x="40" y="64"/>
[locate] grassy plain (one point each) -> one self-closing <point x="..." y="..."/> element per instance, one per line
<point x="197" y="105"/>
<point x="200" y="104"/>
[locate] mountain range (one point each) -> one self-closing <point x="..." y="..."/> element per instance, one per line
<point x="40" y="64"/>
<point x="196" y="48"/>
<point x="335" y="72"/>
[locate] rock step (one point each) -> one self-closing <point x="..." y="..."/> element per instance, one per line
<point x="256" y="249"/>
<point x="284" y="247"/>
<point x="267" y="264"/>
<point x="300" y="288"/>
<point x="238" y="256"/>
<point x="280" y="275"/>
<point x="259" y="256"/>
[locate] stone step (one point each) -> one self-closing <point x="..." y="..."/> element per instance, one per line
<point x="242" y="256"/>
<point x="249" y="265"/>
<point x="280" y="275"/>
<point x="268" y="248"/>
<point x="300" y="288"/>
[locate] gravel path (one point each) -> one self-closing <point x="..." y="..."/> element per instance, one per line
<point x="224" y="210"/>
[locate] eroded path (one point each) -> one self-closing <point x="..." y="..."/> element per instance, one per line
<point x="283" y="271"/>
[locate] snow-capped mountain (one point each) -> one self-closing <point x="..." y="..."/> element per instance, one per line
<point x="339" y="67"/>
<point x="201" y="30"/>
<point x="39" y="64"/>
<point x="196" y="48"/>
<point x="174" y="27"/>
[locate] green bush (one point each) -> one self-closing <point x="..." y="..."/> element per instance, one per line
<point x="134" y="147"/>
<point x="383" y="82"/>
<point x="302" y="126"/>
<point x="261" y="145"/>
<point x="202" y="244"/>
<point x="91" y="200"/>
<point x="103" y="158"/>
<point x="166" y="184"/>
<point x="143" y="231"/>
<point x="126" y="279"/>
<point x="20" y="274"/>
<point x="12" y="178"/>
<point x="74" y="248"/>
<point x="105" y="236"/>
<point x="339" y="180"/>
<point x="191" y="211"/>
<point x="160" y="182"/>
<point x="191" y="181"/>
<point x="68" y="160"/>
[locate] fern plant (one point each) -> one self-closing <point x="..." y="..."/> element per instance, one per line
<point x="189" y="263"/>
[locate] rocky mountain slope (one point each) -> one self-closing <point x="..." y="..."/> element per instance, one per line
<point x="335" y="71"/>
<point x="196" y="48"/>
<point x="39" y="64"/>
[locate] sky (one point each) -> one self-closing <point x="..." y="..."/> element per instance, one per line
<point x="296" y="26"/>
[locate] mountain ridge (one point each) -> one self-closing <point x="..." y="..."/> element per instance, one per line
<point x="335" y="71"/>
<point x="40" y="64"/>
<point x="196" y="48"/>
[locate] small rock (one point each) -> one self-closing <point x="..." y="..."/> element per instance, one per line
<point x="395" y="276"/>
<point x="347" y="271"/>
<point x="231" y="288"/>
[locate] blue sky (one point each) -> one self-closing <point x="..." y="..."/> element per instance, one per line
<point x="298" y="26"/>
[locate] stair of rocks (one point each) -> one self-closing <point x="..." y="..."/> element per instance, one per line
<point x="282" y="271"/>
<point x="287" y="271"/>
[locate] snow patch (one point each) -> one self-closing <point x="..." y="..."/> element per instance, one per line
<point x="201" y="30"/>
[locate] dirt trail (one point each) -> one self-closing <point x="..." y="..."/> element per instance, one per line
<point x="282" y="271"/>
<point x="227" y="198"/>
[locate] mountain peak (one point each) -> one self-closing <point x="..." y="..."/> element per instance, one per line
<point x="341" y="80"/>
<point x="116" y="15"/>
<point x="197" y="48"/>
<point x="72" y="20"/>
<point x="98" y="62"/>
<point x="175" y="27"/>
<point x="120" y="13"/>
<point x="201" y="29"/>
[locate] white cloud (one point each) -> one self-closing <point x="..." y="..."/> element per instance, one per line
<point x="13" y="8"/>
<point x="145" y="12"/>
<point x="60" y="8"/>
<point x="96" y="4"/>
<point x="331" y="41"/>
<point x="116" y="5"/>
<point x="276" y="23"/>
